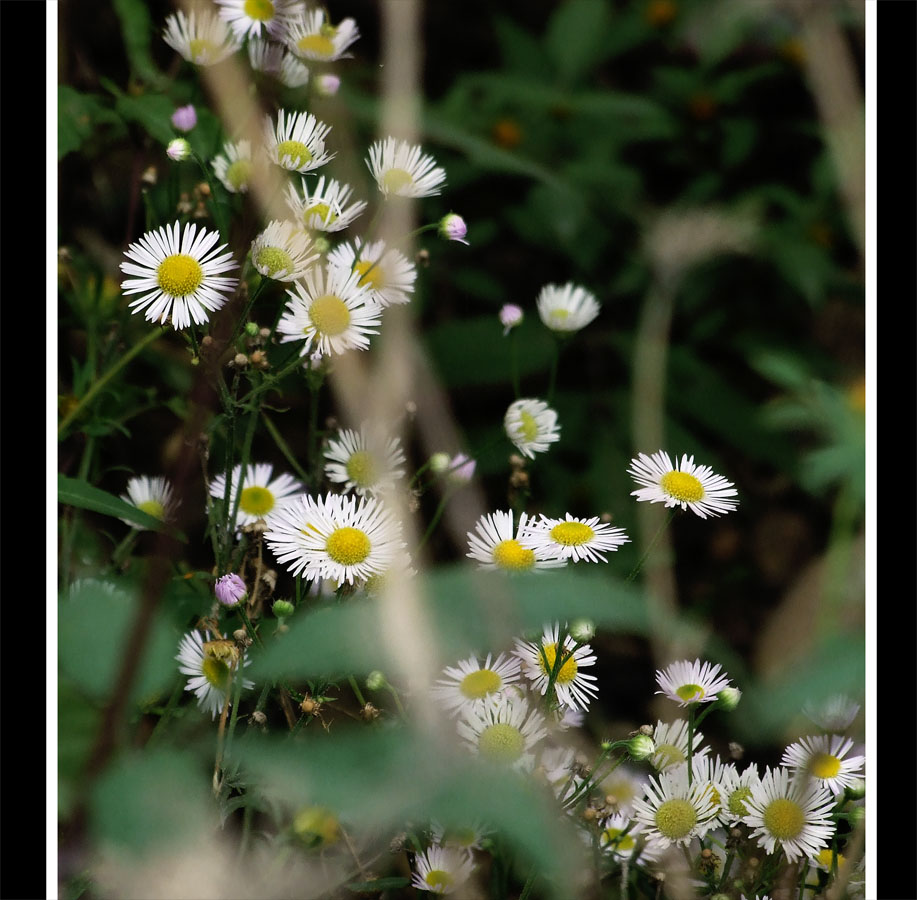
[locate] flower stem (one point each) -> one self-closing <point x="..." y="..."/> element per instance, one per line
<point x="652" y="544"/>
<point x="691" y="709"/>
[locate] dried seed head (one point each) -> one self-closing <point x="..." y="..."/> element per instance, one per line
<point x="369" y="712"/>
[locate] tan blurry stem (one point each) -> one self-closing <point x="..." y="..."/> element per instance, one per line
<point x="221" y="736"/>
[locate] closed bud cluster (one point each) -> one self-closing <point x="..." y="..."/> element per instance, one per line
<point x="283" y="609"/>
<point x="641" y="747"/>
<point x="375" y="681"/>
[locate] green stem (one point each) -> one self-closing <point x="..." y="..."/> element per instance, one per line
<point x="437" y="515"/>
<point x="248" y="308"/>
<point x="248" y="626"/>
<point x="529" y="884"/>
<point x="284" y="448"/>
<point x="216" y="208"/>
<point x="124" y="548"/>
<point x="691" y="709"/>
<point x="727" y="866"/>
<point x="356" y="690"/>
<point x="272" y="380"/>
<point x="177" y="691"/>
<point x="514" y="362"/>
<point x="97" y="386"/>
<point x="234" y="715"/>
<point x="401" y="710"/>
<point x="246" y="453"/>
<point x="652" y="544"/>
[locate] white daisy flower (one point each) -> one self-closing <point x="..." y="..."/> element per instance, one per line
<point x="824" y="759"/>
<point x="251" y="18"/>
<point x="389" y="275"/>
<point x="460" y="836"/>
<point x="737" y="787"/>
<point x="211" y="665"/>
<point x="571" y="685"/>
<point x="686" y="485"/>
<point x="834" y="714"/>
<point x="504" y="731"/>
<point x="403" y="170"/>
<point x="712" y="770"/>
<point x="324" y="209"/>
<point x="273" y="59"/>
<point x="441" y="870"/>
<point x="531" y="425"/>
<point x="671" y="740"/>
<point x="621" y="786"/>
<point x="575" y="539"/>
<point x="154" y="496"/>
<point x="686" y="682"/>
<point x="328" y="312"/>
<point x="672" y="812"/>
<point x="234" y="166"/>
<point x="471" y="683"/>
<point x="334" y="537"/>
<point x="297" y="141"/>
<point x="824" y="858"/>
<point x="201" y="37"/>
<point x="179" y="274"/>
<point x="794" y="814"/>
<point x="361" y="464"/>
<point x="496" y="547"/>
<point x="568" y="308"/>
<point x="311" y="37"/>
<point x="619" y="837"/>
<point x="262" y="493"/>
<point x="282" y="252"/>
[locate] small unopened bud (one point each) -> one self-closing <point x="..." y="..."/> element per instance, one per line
<point x="641" y="747"/>
<point x="720" y="897"/>
<point x="611" y="800"/>
<point x="510" y="316"/>
<point x="422" y="258"/>
<point x="736" y="750"/>
<point x="184" y="118"/>
<point x="582" y="630"/>
<point x="252" y="329"/>
<point x="203" y="189"/>
<point x="310" y="706"/>
<point x="240" y="360"/>
<point x="206" y="341"/>
<point x="857" y="815"/>
<point x="259" y="359"/>
<point x="321" y="244"/>
<point x="516" y="461"/>
<point x="375" y="681"/>
<point x="439" y="462"/>
<point x="230" y="589"/>
<point x="149" y="175"/>
<point x="259" y="718"/>
<point x="327" y="85"/>
<point x="648" y="730"/>
<point x="453" y="228"/>
<point x="242" y="638"/>
<point x="461" y="469"/>
<point x="589" y="814"/>
<point x="369" y="712"/>
<point x="283" y="609"/>
<point x="728" y="698"/>
<point x="856" y="790"/>
<point x="607" y="745"/>
<point x="519" y="479"/>
<point x="178" y="149"/>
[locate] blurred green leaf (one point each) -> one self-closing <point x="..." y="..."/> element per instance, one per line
<point x="137" y="30"/>
<point x="522" y="53"/>
<point x="153" y="112"/>
<point x="78" y="117"/>
<point x="575" y="37"/>
<point x="739" y="139"/>
<point x="77" y="725"/>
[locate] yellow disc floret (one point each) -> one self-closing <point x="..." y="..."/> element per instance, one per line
<point x="682" y="486"/>
<point x="371" y="273"/>
<point x="567" y="671"/>
<point x="329" y="315"/>
<point x="260" y="10"/>
<point x="179" y="275"/>
<point x="323" y="211"/>
<point x="736" y="802"/>
<point x="824" y="765"/>
<point x="298" y="153"/>
<point x="316" y="45"/>
<point x="501" y="742"/>
<point x="510" y="554"/>
<point x="201" y="49"/>
<point x="396" y="179"/>
<point x="238" y="173"/>
<point x="438" y="879"/>
<point x="529" y="426"/>
<point x="572" y="534"/>
<point x="361" y="469"/>
<point x="256" y="501"/>
<point x="668" y="755"/>
<point x="784" y="819"/>
<point x="614" y="837"/>
<point x="690" y="693"/>
<point x="348" y="546"/>
<point x="476" y="685"/>
<point x="675" y="818"/>
<point x="152" y="508"/>
<point x="274" y="260"/>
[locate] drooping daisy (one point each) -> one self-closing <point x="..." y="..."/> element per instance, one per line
<point x="672" y="812"/>
<point x="471" y="683"/>
<point x="671" y="741"/>
<point x="262" y="493"/>
<point x="834" y="714"/>
<point x="571" y="685"/>
<point x="297" y="141"/>
<point x="211" y="665"/>
<point x="566" y="308"/>
<point x="531" y="425"/>
<point x="824" y="759"/>
<point x="324" y="209"/>
<point x="794" y="814"/>
<point x="252" y="18"/>
<point x="505" y="731"/>
<point x="334" y="537"/>
<point x="201" y="37"/>
<point x="685" y="485"/>
<point x="403" y="170"/>
<point x="154" y="496"/>
<point x="496" y="547"/>
<point x="282" y="252"/>
<point x="311" y="37"/>
<point x="575" y="539"/>
<point x="737" y="788"/>
<point x="686" y="682"/>
<point x="621" y="787"/>
<point x="328" y="312"/>
<point x="441" y="870"/>
<point x="362" y="464"/>
<point x="389" y="274"/>
<point x="273" y="59"/>
<point x="178" y="272"/>
<point x="234" y="166"/>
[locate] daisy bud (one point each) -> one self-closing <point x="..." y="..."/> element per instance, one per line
<point x="178" y="149"/>
<point x="857" y="816"/>
<point x="461" y="469"/>
<point x="230" y="589"/>
<point x="439" y="462"/>
<point x="327" y="85"/>
<point x="259" y="718"/>
<point x="375" y="681"/>
<point x="283" y="609"/>
<point x="321" y="244"/>
<point x="510" y="316"/>
<point x="252" y="329"/>
<point x="729" y="698"/>
<point x="453" y="228"/>
<point x="641" y="747"/>
<point x="184" y="118"/>
<point x="582" y="630"/>
<point x="856" y="790"/>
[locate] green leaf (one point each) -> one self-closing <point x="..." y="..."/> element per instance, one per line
<point x="137" y="29"/>
<point x="575" y="37"/>
<point x="151" y="111"/>
<point x="81" y="494"/>
<point x="78" y="117"/>
<point x="521" y="52"/>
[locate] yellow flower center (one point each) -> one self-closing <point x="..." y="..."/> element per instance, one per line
<point x="395" y="179"/>
<point x="372" y="274"/>
<point x="510" y="554"/>
<point x="736" y="802"/>
<point x="179" y="275"/>
<point x="560" y="315"/>
<point x="823" y="857"/>
<point x="529" y="427"/>
<point x="824" y="765"/>
<point x="438" y="879"/>
<point x="572" y="534"/>
<point x="784" y="819"/>
<point x="316" y="825"/>
<point x="238" y="173"/>
<point x="316" y="45"/>
<point x="668" y="755"/>
<point x="348" y="546"/>
<point x="323" y="211"/>
<point x="299" y="154"/>
<point x="501" y="742"/>
<point x="613" y="836"/>
<point x="690" y="693"/>
<point x="461" y="837"/>
<point x="329" y="315"/>
<point x="275" y="260"/>
<point x="361" y="469"/>
<point x="260" y="10"/>
<point x="256" y="501"/>
<point x="476" y="685"/>
<point x="567" y="671"/>
<point x="675" y="818"/>
<point x="682" y="486"/>
<point x="152" y="508"/>
<point x="201" y="49"/>
<point x="216" y="672"/>
<point x="219" y="658"/>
